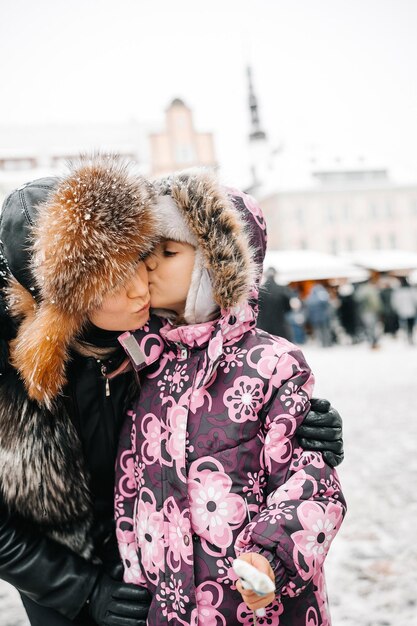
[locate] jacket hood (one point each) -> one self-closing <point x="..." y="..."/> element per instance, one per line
<point x="86" y="233"/>
<point x="226" y="226"/>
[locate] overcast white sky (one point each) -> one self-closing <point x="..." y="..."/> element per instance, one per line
<point x="336" y="75"/>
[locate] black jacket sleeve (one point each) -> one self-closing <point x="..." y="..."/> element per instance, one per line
<point x="42" y="569"/>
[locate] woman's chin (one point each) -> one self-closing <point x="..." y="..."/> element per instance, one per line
<point x="141" y="318"/>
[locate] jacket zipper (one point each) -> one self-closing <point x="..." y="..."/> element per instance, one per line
<point x="104" y="372"/>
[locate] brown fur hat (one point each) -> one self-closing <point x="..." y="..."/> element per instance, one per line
<point x="86" y="241"/>
<point x="218" y="228"/>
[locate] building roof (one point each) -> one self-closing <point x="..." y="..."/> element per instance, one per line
<point x="300" y="265"/>
<point x="383" y="260"/>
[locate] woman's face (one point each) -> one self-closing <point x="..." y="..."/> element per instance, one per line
<point x="169" y="272"/>
<point x="128" y="307"/>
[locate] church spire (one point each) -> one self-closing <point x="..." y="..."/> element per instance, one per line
<point x="258" y="144"/>
<point x="256" y="132"/>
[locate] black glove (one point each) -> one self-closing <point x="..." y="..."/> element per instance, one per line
<point x="321" y="430"/>
<point x="114" y="603"/>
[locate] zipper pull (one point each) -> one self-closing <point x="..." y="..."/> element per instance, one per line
<point x="104" y="371"/>
<point x="183" y="351"/>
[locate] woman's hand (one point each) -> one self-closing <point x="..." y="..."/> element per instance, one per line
<point x="251" y="598"/>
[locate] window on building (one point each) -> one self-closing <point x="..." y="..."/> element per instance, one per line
<point x="182" y="119"/>
<point x="393" y="240"/>
<point x="185" y="153"/>
<point x="377" y="242"/>
<point x="388" y="208"/>
<point x="334" y="246"/>
<point x="346" y="212"/>
<point x="17" y="164"/>
<point x="349" y="243"/>
<point x="299" y="215"/>
<point x="330" y="214"/>
<point x="373" y="210"/>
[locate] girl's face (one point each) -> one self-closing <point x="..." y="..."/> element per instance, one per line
<point x="170" y="267"/>
<point x="128" y="307"/>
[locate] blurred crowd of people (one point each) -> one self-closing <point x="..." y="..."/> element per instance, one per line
<point x="346" y="313"/>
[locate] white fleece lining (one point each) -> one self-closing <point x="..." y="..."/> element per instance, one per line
<point x="200" y="306"/>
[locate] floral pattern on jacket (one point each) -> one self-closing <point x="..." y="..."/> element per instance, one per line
<point x="209" y="467"/>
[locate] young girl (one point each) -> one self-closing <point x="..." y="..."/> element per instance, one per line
<point x="208" y="466"/>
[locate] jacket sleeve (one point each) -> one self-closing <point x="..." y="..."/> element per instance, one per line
<point x="42" y="569"/>
<point x="304" y="505"/>
<point x="125" y="502"/>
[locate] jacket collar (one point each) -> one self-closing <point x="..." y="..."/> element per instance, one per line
<point x="145" y="346"/>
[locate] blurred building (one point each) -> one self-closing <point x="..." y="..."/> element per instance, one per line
<point x="311" y="201"/>
<point x="343" y="210"/>
<point x="180" y="146"/>
<point x="30" y="152"/>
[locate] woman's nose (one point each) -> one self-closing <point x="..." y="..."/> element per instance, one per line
<point x="138" y="286"/>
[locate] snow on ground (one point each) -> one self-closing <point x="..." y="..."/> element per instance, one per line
<point x="371" y="569"/>
<point x="372" y="566"/>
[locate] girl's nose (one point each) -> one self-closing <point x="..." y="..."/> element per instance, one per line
<point x="151" y="262"/>
<point x="138" y="286"/>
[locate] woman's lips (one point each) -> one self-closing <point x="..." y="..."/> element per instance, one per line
<point x="144" y="308"/>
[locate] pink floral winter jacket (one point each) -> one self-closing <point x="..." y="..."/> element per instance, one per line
<point x="209" y="467"/>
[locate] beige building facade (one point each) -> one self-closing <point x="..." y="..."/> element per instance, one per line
<point x="344" y="211"/>
<point x="180" y="146"/>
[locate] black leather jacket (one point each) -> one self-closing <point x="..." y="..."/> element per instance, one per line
<point x="46" y="571"/>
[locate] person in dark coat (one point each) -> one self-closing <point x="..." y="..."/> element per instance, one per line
<point x="71" y="281"/>
<point x="274" y="305"/>
<point x="59" y="414"/>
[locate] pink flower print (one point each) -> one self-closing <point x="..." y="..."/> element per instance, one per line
<point x="152" y="432"/>
<point x="292" y="489"/>
<point x="245" y="399"/>
<point x="312" y="619"/>
<point x="196" y="395"/>
<point x="293" y="398"/>
<point x="225" y="571"/>
<point x="320" y="525"/>
<point x="256" y="482"/>
<point x="251" y="205"/>
<point x="302" y="458"/>
<point x="179" y="542"/>
<point x="139" y="471"/>
<point x="172" y="595"/>
<point x="215" y="347"/>
<point x="127" y="485"/>
<point x="209" y="596"/>
<point x="164" y="383"/>
<point x="176" y="431"/>
<point x="149" y="528"/>
<point x="273" y="611"/>
<point x="277" y="446"/>
<point x="132" y="572"/>
<point x="278" y="512"/>
<point x="214" y="509"/>
<point x="233" y="357"/>
<point x="263" y="359"/>
<point x="179" y="378"/>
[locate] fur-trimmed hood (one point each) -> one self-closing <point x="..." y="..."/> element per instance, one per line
<point x="85" y="239"/>
<point x="226" y="226"/>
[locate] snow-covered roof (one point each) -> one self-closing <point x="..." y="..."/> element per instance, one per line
<point x="298" y="265"/>
<point x="383" y="260"/>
